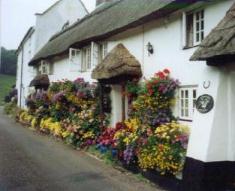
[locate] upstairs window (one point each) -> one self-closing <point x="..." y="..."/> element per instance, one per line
<point x="187" y="102"/>
<point x="194" y="27"/>
<point x="102" y="51"/>
<point x="45" y="68"/>
<point x="86" y="59"/>
<point x="74" y="60"/>
<point x="198" y="27"/>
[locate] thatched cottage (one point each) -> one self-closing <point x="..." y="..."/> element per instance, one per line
<point x="53" y="20"/>
<point x="125" y="39"/>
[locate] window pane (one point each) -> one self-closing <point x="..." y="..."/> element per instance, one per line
<point x="194" y="103"/>
<point x="189" y="30"/>
<point x="182" y="103"/>
<point x="197" y="37"/>
<point x="202" y="14"/>
<point x="197" y="16"/>
<point x="186" y="103"/>
<point x="105" y="49"/>
<point x="182" y="94"/>
<point x="194" y="94"/>
<point x="202" y="35"/>
<point x="186" y="113"/>
<point x="182" y="112"/>
<point x="202" y="25"/>
<point x="197" y="26"/>
<point x="186" y="93"/>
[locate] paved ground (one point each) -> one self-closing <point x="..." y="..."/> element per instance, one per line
<point x="29" y="162"/>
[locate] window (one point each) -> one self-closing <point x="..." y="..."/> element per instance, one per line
<point x="187" y="102"/>
<point x="103" y="51"/>
<point x="199" y="27"/>
<point x="86" y="59"/>
<point x="194" y="28"/>
<point x="74" y="60"/>
<point x="45" y="68"/>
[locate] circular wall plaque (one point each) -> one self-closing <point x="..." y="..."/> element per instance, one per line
<point x="205" y="103"/>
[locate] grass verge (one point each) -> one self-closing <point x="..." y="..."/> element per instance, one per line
<point x="6" y="82"/>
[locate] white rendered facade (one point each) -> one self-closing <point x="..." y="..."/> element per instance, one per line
<point x="47" y="24"/>
<point x="168" y="38"/>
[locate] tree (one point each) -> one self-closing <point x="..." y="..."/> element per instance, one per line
<point x="8" y="61"/>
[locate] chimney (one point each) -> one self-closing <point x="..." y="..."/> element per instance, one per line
<point x="99" y="2"/>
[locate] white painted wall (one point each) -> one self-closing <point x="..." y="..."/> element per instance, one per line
<point x="213" y="135"/>
<point x="47" y="24"/>
<point x="25" y="73"/>
<point x="166" y="39"/>
<point x="52" y="21"/>
<point x="62" y="70"/>
<point x="218" y="125"/>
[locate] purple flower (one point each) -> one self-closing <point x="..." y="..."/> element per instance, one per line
<point x="58" y="97"/>
<point x="128" y="154"/>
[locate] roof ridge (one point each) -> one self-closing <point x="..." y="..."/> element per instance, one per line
<point x="49" y="8"/>
<point x="84" y="19"/>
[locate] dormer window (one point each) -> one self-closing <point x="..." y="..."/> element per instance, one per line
<point x="198" y="27"/>
<point x="102" y="51"/>
<point x="194" y="28"/>
<point x="74" y="60"/>
<point x="86" y="59"/>
<point x="45" y="67"/>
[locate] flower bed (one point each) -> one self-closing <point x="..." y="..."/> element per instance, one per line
<point x="151" y="139"/>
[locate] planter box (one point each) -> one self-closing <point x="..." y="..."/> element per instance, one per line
<point x="131" y="167"/>
<point x="167" y="182"/>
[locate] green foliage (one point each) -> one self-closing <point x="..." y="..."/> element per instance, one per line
<point x="10" y="108"/>
<point x="8" y="61"/>
<point x="6" y="82"/>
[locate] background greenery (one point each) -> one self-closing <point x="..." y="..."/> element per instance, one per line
<point x="6" y="82"/>
<point x="8" y="61"/>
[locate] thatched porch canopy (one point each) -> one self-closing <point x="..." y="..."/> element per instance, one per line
<point x="40" y="81"/>
<point x="219" y="45"/>
<point x="118" y="64"/>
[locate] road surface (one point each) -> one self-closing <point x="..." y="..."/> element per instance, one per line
<point x="32" y="162"/>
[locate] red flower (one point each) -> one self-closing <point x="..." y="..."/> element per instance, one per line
<point x="166" y="71"/>
<point x="161" y="75"/>
<point x="150" y="91"/>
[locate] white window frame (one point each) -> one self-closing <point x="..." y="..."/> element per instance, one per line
<point x="75" y="64"/>
<point x="86" y="65"/>
<point x="200" y="31"/>
<point x="187" y="104"/>
<point x="45" y="67"/>
<point x="103" y="50"/>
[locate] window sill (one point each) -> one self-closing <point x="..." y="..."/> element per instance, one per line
<point x="186" y="120"/>
<point x="189" y="47"/>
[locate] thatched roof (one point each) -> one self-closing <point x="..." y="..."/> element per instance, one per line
<point x="119" y="62"/>
<point x="41" y="81"/>
<point x="220" y="43"/>
<point x="106" y="21"/>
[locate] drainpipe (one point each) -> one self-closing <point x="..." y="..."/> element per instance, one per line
<point x="21" y="75"/>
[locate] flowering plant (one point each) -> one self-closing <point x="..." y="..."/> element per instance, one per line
<point x="153" y="105"/>
<point x="165" y="149"/>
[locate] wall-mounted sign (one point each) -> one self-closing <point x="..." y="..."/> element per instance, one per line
<point x="205" y="103"/>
